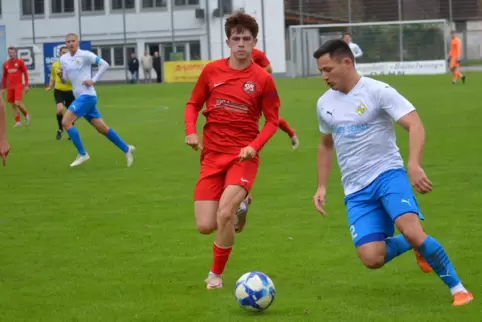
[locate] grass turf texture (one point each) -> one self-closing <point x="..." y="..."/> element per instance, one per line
<point x="105" y="243"/>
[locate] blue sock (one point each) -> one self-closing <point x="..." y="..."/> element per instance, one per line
<point x="396" y="246"/>
<point x="114" y="138"/>
<point x="75" y="137"/>
<point x="437" y="258"/>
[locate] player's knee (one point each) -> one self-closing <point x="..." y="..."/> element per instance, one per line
<point x="225" y="215"/>
<point x="101" y="127"/>
<point x="66" y="123"/>
<point x="372" y="254"/>
<point x="206" y="228"/>
<point x="410" y="227"/>
<point x="373" y="261"/>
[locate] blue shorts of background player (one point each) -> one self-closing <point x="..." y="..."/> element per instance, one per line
<point x="86" y="106"/>
<point x="373" y="213"/>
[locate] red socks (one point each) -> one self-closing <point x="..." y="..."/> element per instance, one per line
<point x="25" y="113"/>
<point x="17" y="118"/>
<point x="283" y="125"/>
<point x="220" y="258"/>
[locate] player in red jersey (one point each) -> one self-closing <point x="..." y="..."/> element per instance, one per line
<point x="259" y="57"/>
<point x="13" y="69"/>
<point x="4" y="147"/>
<point x="236" y="92"/>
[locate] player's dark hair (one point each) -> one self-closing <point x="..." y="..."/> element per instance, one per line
<point x="346" y="33"/>
<point x="240" y="21"/>
<point x="12" y="48"/>
<point x="62" y="48"/>
<point x="336" y="48"/>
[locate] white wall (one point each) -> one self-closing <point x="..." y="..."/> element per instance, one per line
<point x="144" y="26"/>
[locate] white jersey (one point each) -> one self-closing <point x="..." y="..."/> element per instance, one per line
<point x="77" y="69"/>
<point x="361" y="124"/>
<point x="355" y="49"/>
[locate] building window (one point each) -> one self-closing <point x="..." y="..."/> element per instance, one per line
<point x="62" y="6"/>
<point x="179" y="3"/>
<point x="38" y="7"/>
<point x="118" y="4"/>
<point x="149" y="4"/>
<point x="92" y="5"/>
<point x="184" y="51"/>
<point x="195" y="50"/>
<point x="116" y="55"/>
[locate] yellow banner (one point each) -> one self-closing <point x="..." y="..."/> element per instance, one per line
<point x="183" y="71"/>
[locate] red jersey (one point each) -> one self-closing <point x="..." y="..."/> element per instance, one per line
<point x="12" y="73"/>
<point x="235" y="100"/>
<point x="259" y="58"/>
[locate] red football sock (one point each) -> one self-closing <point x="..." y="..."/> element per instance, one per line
<point x="283" y="125"/>
<point x="25" y="113"/>
<point x="17" y="118"/>
<point x="220" y="258"/>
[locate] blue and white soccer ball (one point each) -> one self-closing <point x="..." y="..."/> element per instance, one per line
<point x="254" y="291"/>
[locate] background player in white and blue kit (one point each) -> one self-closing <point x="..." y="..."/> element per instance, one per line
<point x="76" y="66"/>
<point x="355" y="49"/>
<point x="356" y="119"/>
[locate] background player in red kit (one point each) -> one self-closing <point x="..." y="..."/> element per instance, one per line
<point x="4" y="147"/>
<point x="259" y="57"/>
<point x="13" y="69"/>
<point x="236" y="92"/>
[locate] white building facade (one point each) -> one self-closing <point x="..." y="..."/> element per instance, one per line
<point x="193" y="27"/>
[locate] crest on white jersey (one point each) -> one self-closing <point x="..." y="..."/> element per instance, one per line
<point x="360" y="110"/>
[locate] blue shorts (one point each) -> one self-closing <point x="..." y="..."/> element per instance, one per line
<point x="85" y="106"/>
<point x="372" y="211"/>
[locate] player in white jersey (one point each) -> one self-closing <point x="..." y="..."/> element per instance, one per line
<point x="355" y="49"/>
<point x="76" y="66"/>
<point x="356" y="119"/>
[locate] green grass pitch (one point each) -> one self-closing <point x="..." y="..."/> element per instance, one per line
<point x="106" y="243"/>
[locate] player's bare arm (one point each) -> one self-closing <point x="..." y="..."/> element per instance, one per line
<point x="4" y="146"/>
<point x="269" y="69"/>
<point x="62" y="75"/>
<point x="51" y="84"/>
<point x="416" y="138"/>
<point x="25" y="77"/>
<point x="324" y="163"/>
<point x="270" y="107"/>
<point x="193" y="107"/>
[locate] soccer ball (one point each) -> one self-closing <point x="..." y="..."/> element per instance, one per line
<point x="254" y="291"/>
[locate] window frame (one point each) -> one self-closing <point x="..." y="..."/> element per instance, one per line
<point x="154" y="7"/>
<point x="114" y="10"/>
<point x="29" y="15"/>
<point x="186" y="4"/>
<point x="63" y="13"/>
<point x="92" y="10"/>
<point x="97" y="49"/>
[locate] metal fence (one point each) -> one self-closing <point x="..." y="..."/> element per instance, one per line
<point x="465" y="16"/>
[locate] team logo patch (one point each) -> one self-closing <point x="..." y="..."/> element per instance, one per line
<point x="360" y="110"/>
<point x="249" y="87"/>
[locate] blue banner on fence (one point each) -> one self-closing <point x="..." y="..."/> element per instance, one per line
<point x="52" y="54"/>
<point x="3" y="47"/>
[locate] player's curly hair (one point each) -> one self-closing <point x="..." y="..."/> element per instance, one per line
<point x="240" y="21"/>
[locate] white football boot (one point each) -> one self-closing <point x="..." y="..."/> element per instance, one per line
<point x="130" y="155"/>
<point x="80" y="159"/>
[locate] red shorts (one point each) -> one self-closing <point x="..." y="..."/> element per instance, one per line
<point x="219" y="170"/>
<point x="15" y="94"/>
